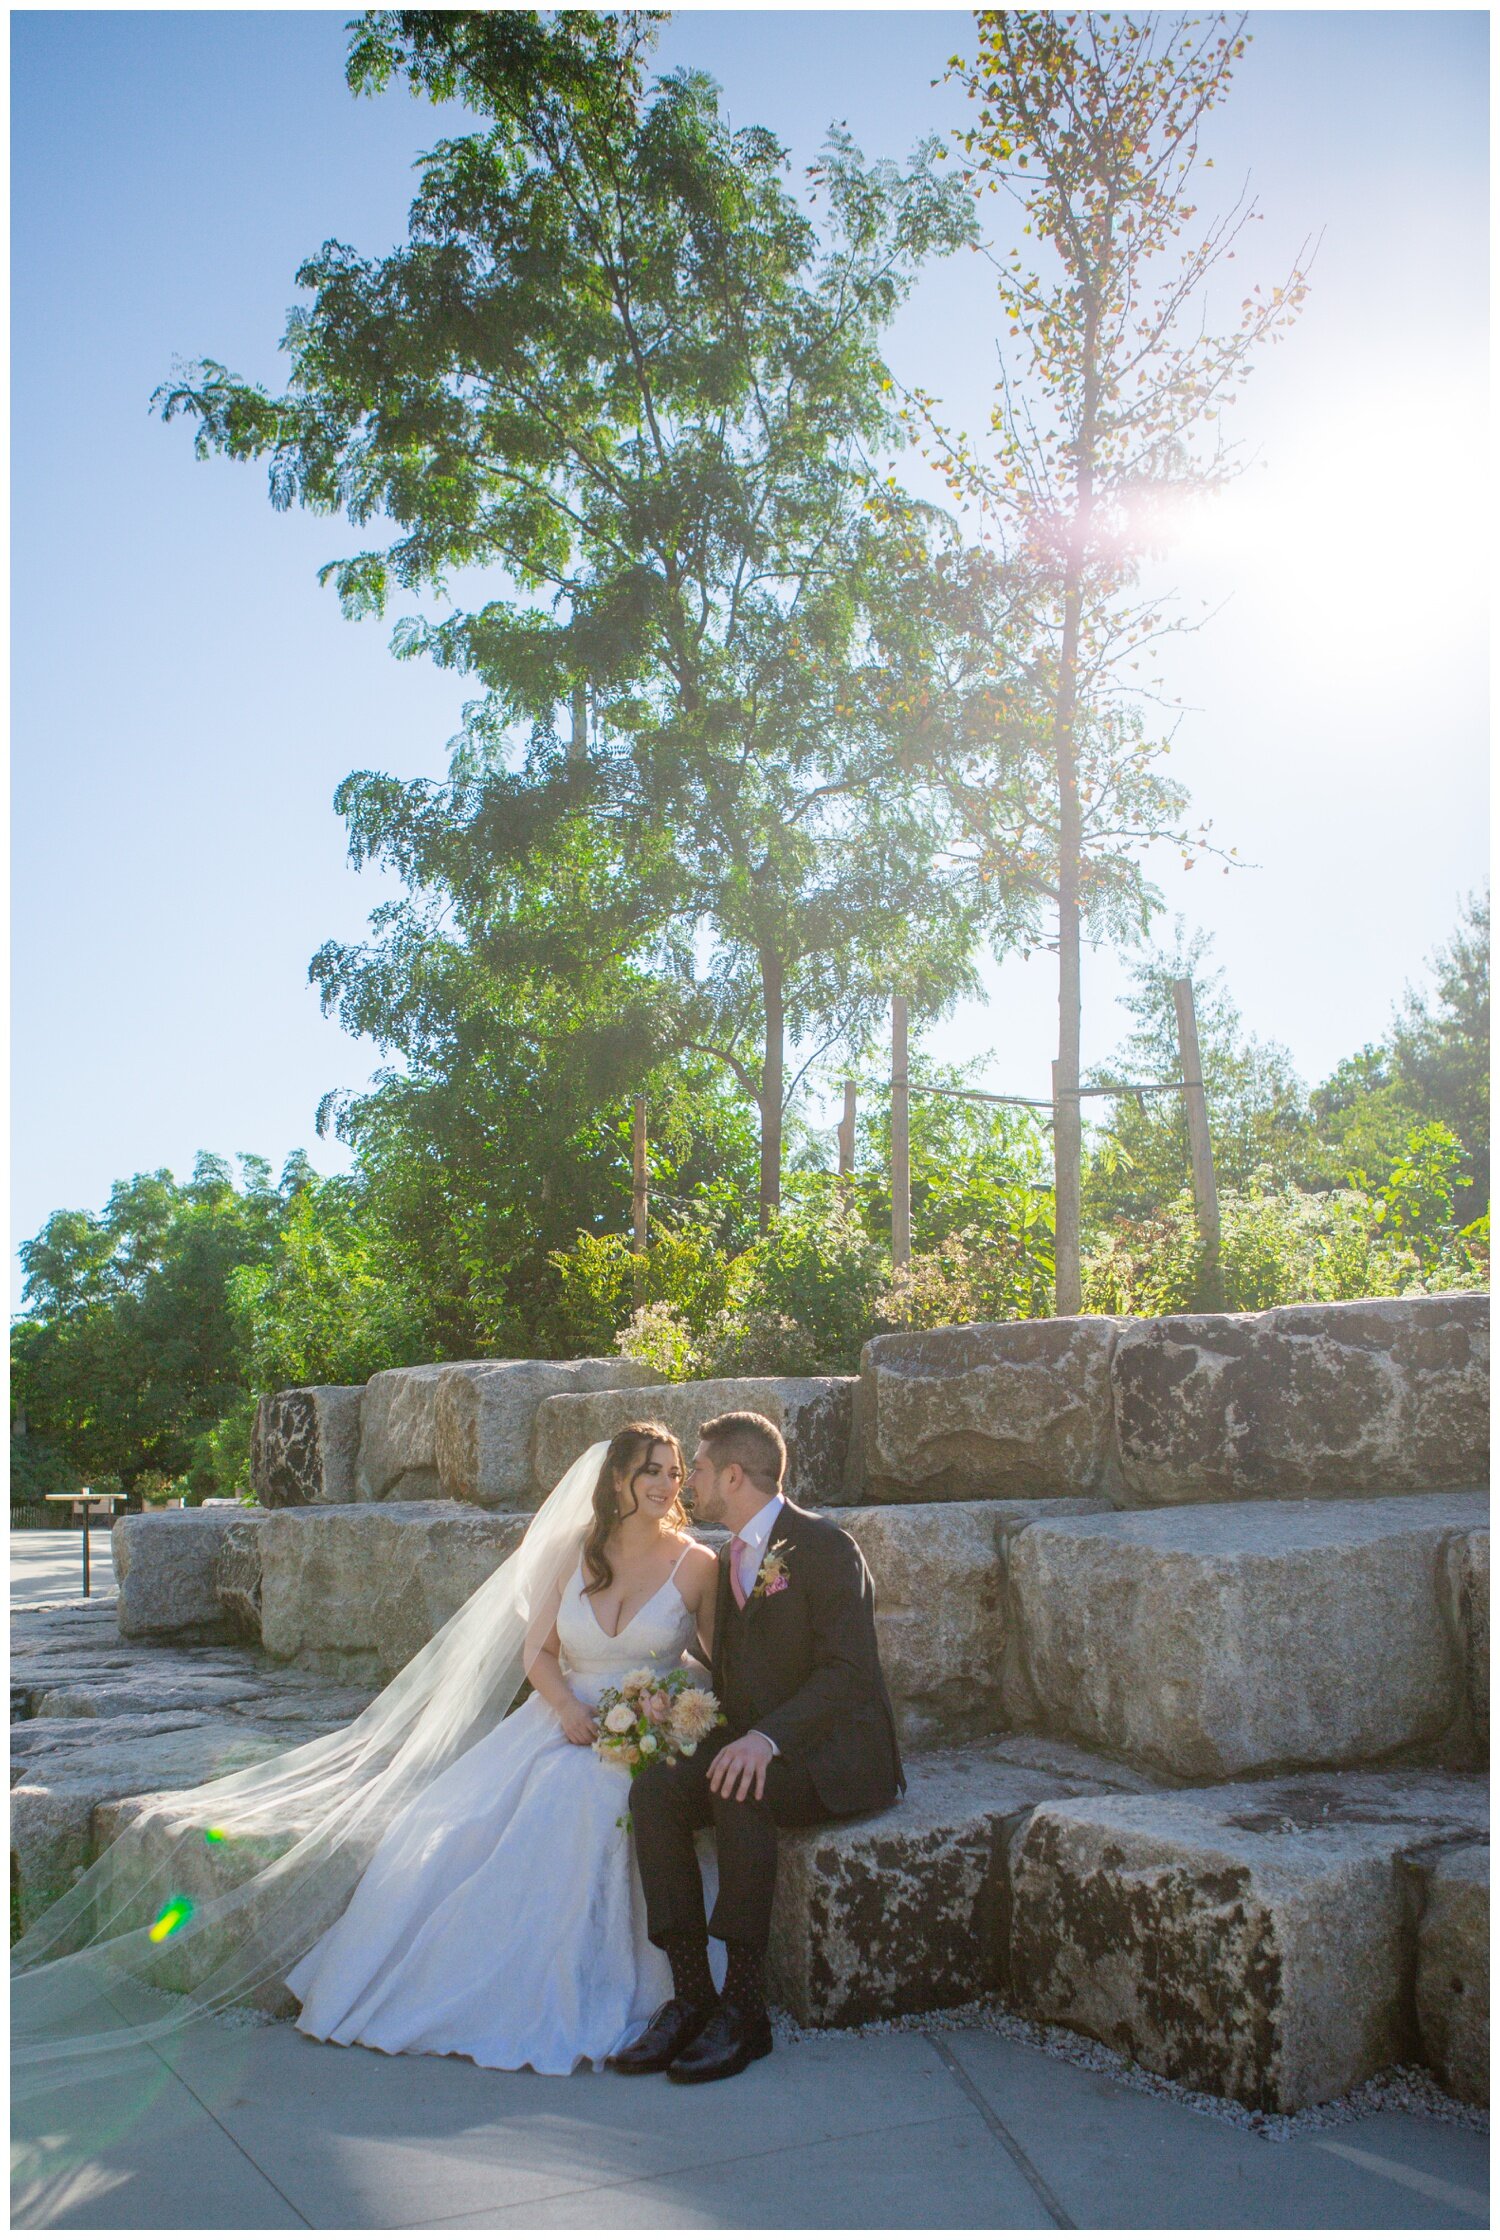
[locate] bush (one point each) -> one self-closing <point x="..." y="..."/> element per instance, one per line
<point x="1277" y="1246"/>
<point x="38" y="1468"/>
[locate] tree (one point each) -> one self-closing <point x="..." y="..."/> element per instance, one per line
<point x="613" y="366"/>
<point x="1433" y="1065"/>
<point x="1091" y="123"/>
<point x="1442" y="1049"/>
<point x="506" y="1133"/>
<point x="128" y="1353"/>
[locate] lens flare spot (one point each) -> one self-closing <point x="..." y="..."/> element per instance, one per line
<point x="213" y="1835"/>
<point x="174" y="1914"/>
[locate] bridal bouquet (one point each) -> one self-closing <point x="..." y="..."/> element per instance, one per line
<point x="654" y="1717"/>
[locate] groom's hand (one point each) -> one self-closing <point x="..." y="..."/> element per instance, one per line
<point x="739" y="1764"/>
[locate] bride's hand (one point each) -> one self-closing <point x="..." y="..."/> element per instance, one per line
<point x="578" y="1722"/>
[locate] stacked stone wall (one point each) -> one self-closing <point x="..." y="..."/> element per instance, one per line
<point x="1185" y="1621"/>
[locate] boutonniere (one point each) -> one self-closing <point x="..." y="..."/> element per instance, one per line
<point x="772" y="1575"/>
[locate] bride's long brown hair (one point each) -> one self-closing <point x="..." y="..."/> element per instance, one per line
<point x="629" y="1453"/>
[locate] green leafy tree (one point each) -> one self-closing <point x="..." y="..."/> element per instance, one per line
<point x="329" y="1305"/>
<point x="506" y="1131"/>
<point x="128" y="1352"/>
<point x="1433" y="1065"/>
<point x="1091" y="124"/>
<point x="613" y="368"/>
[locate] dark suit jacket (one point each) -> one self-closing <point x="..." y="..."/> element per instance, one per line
<point x="802" y="1665"/>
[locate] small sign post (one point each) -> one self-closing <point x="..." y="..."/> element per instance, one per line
<point x="85" y="1505"/>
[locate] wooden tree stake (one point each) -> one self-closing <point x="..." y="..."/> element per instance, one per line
<point x="900" y="1138"/>
<point x="1205" y="1191"/>
<point x="638" y="1165"/>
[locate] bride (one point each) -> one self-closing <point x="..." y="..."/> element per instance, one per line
<point x="502" y="1915"/>
<point x="437" y="1876"/>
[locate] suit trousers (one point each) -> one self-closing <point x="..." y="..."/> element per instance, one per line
<point x="668" y="1804"/>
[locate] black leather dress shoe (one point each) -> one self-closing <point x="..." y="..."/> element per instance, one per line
<point x="672" y="2027"/>
<point x="729" y="2041"/>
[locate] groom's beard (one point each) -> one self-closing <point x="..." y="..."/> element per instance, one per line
<point x="706" y="1506"/>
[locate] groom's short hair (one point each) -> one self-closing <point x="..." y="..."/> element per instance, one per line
<point x="750" y="1440"/>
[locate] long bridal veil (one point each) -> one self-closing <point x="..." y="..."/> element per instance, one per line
<point x="213" y="1893"/>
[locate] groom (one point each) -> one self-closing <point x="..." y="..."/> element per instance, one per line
<point x="812" y="1737"/>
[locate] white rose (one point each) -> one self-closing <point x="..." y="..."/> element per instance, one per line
<point x="648" y="1744"/>
<point x="619" y="1719"/>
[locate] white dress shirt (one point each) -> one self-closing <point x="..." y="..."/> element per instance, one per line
<point x="756" y="1536"/>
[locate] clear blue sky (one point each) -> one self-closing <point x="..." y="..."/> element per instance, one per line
<point x="186" y="698"/>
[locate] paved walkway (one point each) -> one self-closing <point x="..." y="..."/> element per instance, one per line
<point x="263" y="2130"/>
<point x="48" y="1566"/>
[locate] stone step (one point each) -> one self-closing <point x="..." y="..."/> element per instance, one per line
<point x="355" y="1591"/>
<point x="1451" y="1887"/>
<point x="1357" y="1397"/>
<point x="1257" y="1636"/>
<point x="1257" y="1940"/>
<point x="1275" y="1942"/>
<point x="813" y="1414"/>
<point x="1203" y="1643"/>
<point x="892" y="1913"/>
<point x="465" y="1430"/>
<point x="902" y="1911"/>
<point x="104" y="1719"/>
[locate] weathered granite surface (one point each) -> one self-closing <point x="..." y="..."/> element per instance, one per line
<point x="940" y="1607"/>
<point x="1453" y="1967"/>
<point x="166" y="1569"/>
<point x="1466" y="1586"/>
<point x="304" y="1445"/>
<point x="813" y="1415"/>
<point x="112" y="1719"/>
<point x="484" y="1419"/>
<point x="904" y="1910"/>
<point x="1250" y="1940"/>
<point x="355" y="1592"/>
<point x="1356" y="1397"/>
<point x="1243" y="1637"/>
<point x="397" y="1458"/>
<point x="998" y="1410"/>
<point x="236" y="1576"/>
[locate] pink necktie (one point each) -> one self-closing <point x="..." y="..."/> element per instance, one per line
<point x="737" y="1548"/>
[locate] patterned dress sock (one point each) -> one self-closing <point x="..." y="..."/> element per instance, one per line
<point x="691" y="1980"/>
<point x="744" y="1981"/>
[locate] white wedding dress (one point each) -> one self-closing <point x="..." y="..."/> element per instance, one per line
<point x="502" y="1914"/>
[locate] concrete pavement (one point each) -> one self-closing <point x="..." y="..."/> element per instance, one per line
<point x="48" y="1566"/>
<point x="261" y="2129"/>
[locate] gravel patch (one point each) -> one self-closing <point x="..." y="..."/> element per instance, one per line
<point x="1402" y="2090"/>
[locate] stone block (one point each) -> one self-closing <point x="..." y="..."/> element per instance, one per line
<point x="236" y="1575"/>
<point x="304" y="1445"/>
<point x="1364" y="1396"/>
<point x="397" y="1458"/>
<point x="988" y="1410"/>
<point x="904" y="1910"/>
<point x="813" y="1415"/>
<point x="165" y="1566"/>
<point x="939" y="1572"/>
<point x="1467" y="1585"/>
<point x="1244" y="1637"/>
<point x="356" y="1591"/>
<point x="485" y="1417"/>
<point x="53" y="1802"/>
<point x="1453" y="1967"/>
<point x="1250" y="1941"/>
